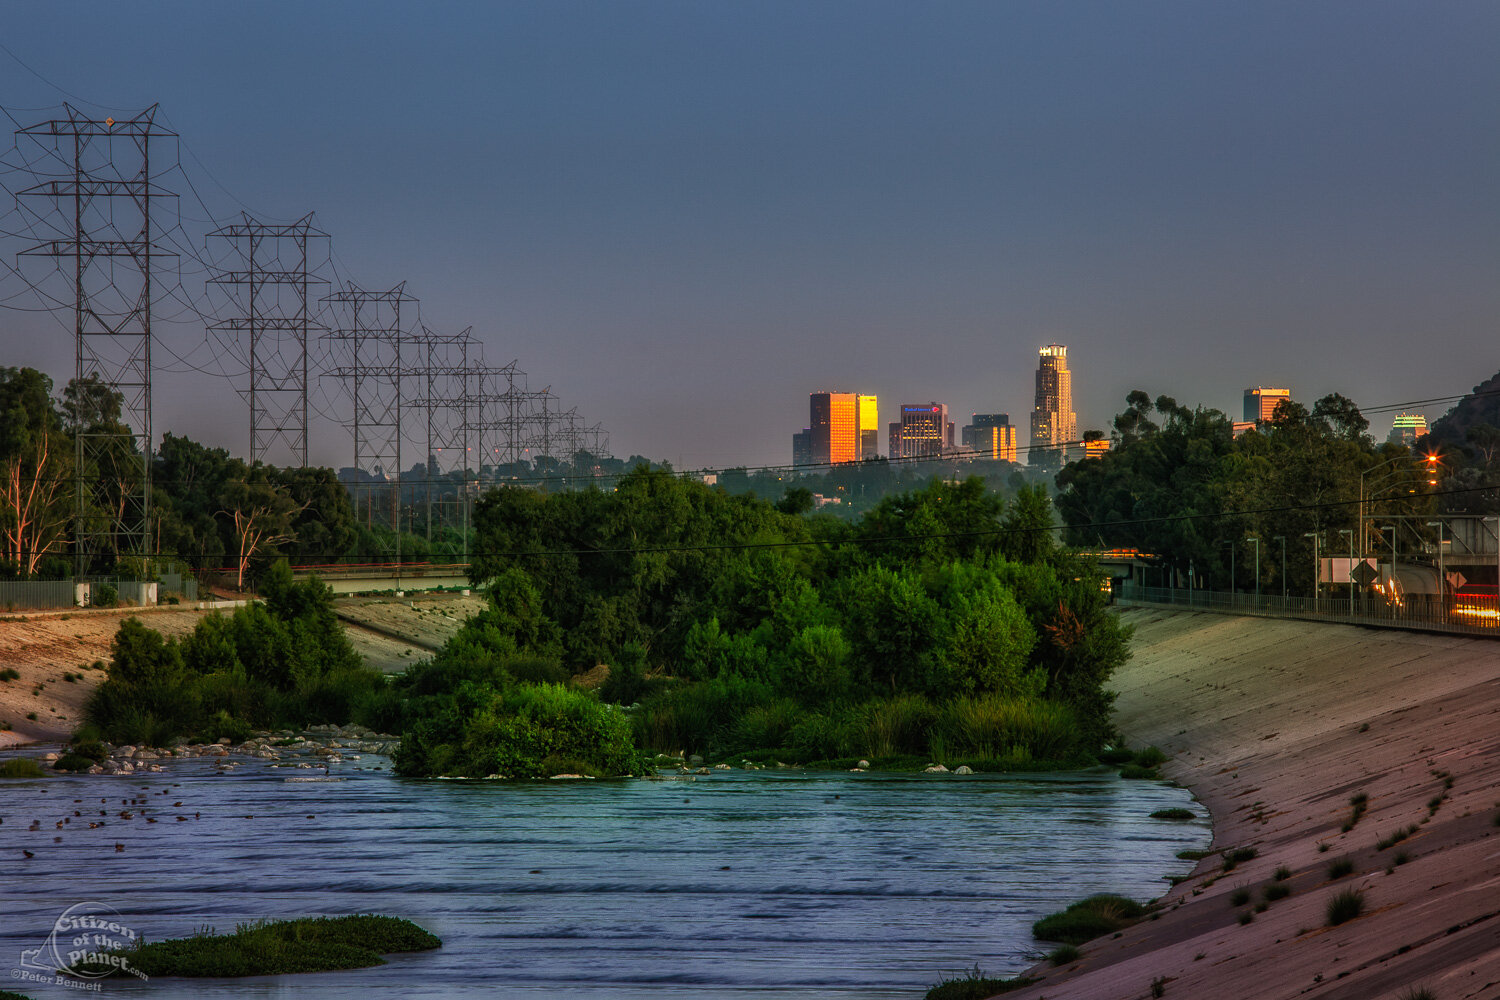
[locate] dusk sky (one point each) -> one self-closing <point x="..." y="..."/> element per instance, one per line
<point x="686" y="216"/>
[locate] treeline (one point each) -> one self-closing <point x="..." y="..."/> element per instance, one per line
<point x="1179" y="485"/>
<point x="942" y="626"/>
<point x="208" y="508"/>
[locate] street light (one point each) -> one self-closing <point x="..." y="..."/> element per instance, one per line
<point x="1314" y="536"/>
<point x="1442" y="579"/>
<point x="1363" y="540"/>
<point x="1230" y="543"/>
<point x="1256" y="540"/>
<point x="1282" y="540"/>
<point x="1350" y="533"/>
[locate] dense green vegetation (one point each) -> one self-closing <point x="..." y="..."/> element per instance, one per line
<point x="943" y="626"/>
<point x="282" y="947"/>
<point x="1180" y="486"/>
<point x="281" y="662"/>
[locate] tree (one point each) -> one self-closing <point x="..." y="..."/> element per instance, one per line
<point x="262" y="514"/>
<point x="34" y="470"/>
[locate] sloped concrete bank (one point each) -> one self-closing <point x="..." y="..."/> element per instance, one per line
<point x="1279" y="728"/>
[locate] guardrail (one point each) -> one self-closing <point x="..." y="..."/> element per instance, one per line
<point x="1419" y="612"/>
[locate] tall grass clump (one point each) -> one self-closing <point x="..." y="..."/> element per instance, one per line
<point x="990" y="727"/>
<point x="1344" y="906"/>
<point x="21" y="767"/>
<point x="1340" y="867"/>
<point x="898" y="726"/>
<point x="1088" y="919"/>
<point x="975" y="985"/>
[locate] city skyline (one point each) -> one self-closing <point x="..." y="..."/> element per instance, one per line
<point x="666" y="210"/>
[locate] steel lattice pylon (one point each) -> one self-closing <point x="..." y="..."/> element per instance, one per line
<point x="101" y="218"/>
<point x="269" y="288"/>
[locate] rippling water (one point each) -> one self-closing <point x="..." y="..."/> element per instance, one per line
<point x="740" y="885"/>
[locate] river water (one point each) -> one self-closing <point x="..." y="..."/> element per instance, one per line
<point x="742" y="885"/>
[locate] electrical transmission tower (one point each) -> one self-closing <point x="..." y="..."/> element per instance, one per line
<point x="269" y="286"/>
<point x="101" y="218"/>
<point x="447" y="391"/>
<point x="370" y="336"/>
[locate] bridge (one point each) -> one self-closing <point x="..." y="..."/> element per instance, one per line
<point x="362" y="578"/>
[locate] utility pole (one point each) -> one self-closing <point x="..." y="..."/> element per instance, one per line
<point x="103" y="219"/>
<point x="269" y="282"/>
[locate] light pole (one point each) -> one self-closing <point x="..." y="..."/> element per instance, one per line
<point x="1314" y="536"/>
<point x="1282" y="540"/>
<point x="1442" y="579"/>
<point x="1350" y="533"/>
<point x="1230" y="543"/>
<point x="1256" y="540"/>
<point x="1364" y="545"/>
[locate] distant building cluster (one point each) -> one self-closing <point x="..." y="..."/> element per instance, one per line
<point x="842" y="426"/>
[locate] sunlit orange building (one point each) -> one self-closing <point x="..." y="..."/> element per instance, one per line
<point x="842" y="427"/>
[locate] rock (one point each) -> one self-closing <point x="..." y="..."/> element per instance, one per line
<point x="145" y="755"/>
<point x="703" y="770"/>
<point x="935" y="769"/>
<point x="856" y="770"/>
<point x="54" y="755"/>
<point x="695" y="759"/>
<point x="964" y="769"/>
<point x="863" y="765"/>
<point x="723" y="767"/>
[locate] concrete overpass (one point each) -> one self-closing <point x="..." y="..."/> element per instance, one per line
<point x="367" y="578"/>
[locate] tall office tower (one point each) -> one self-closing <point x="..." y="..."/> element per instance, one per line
<point x="802" y="447"/>
<point x="843" y="426"/>
<point x="992" y="436"/>
<point x="1260" y="402"/>
<point x="1406" y="428"/>
<point x="1053" y="422"/>
<point x="924" y="430"/>
<point x="869" y="427"/>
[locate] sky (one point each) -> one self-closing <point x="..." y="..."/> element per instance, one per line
<point x="686" y="216"/>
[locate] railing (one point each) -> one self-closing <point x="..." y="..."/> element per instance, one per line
<point x="1424" y="612"/>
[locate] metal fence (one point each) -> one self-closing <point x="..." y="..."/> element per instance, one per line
<point x="1422" y="612"/>
<point x="16" y="595"/>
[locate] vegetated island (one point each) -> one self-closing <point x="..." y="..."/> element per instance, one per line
<point x="668" y="617"/>
<point x="271" y="948"/>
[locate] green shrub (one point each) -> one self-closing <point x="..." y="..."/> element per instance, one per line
<point x="92" y="749"/>
<point x="1417" y="993"/>
<point x="1150" y="757"/>
<point x="1239" y="897"/>
<point x="104" y="596"/>
<point x="1282" y="873"/>
<point x="9" y="674"/>
<point x="1344" y="906"/>
<point x="1275" y="891"/>
<point x="73" y="762"/>
<point x="1238" y="856"/>
<point x="21" y="767"/>
<point x="1088" y="919"/>
<point x="1063" y="954"/>
<point x="1174" y="813"/>
<point x="1340" y="867"/>
<point x="1135" y="772"/>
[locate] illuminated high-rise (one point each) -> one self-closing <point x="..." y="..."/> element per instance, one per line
<point x="924" y="429"/>
<point x="1053" y="422"/>
<point x="992" y="436"/>
<point x="1406" y="428"/>
<point x="1262" y="400"/>
<point x="842" y="427"/>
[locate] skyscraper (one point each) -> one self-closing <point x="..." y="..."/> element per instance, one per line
<point x="1261" y="402"/>
<point x="1406" y="428"/>
<point x="842" y="427"/>
<point x="924" y="429"/>
<point x="992" y="436"/>
<point x="1053" y="422"/>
